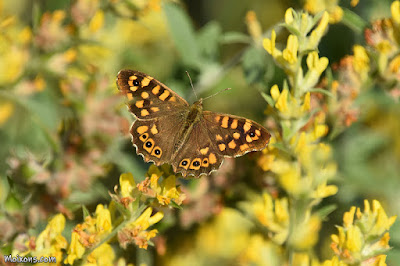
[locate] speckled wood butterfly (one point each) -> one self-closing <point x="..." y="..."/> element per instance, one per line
<point x="169" y="130"/>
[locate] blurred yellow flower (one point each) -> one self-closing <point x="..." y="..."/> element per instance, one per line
<point x="331" y="6"/>
<point x="103" y="255"/>
<point x="260" y="251"/>
<point x="305" y="234"/>
<point x="50" y="241"/>
<point x="273" y="214"/>
<point x="97" y="21"/>
<point x="253" y="26"/>
<point x="6" y="110"/>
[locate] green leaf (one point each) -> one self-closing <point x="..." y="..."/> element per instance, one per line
<point x="234" y="37"/>
<point x="281" y="147"/>
<point x="325" y="211"/>
<point x="254" y="62"/>
<point x="291" y="29"/>
<point x="323" y="91"/>
<point x="183" y="35"/>
<point x="268" y="99"/>
<point x="85" y="212"/>
<point x="353" y="21"/>
<point x="175" y="205"/>
<point x="208" y="39"/>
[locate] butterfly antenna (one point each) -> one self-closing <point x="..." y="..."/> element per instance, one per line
<point x="227" y="89"/>
<point x="191" y="84"/>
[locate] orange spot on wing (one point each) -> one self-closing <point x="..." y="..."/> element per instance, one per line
<point x="212" y="158"/>
<point x="204" y="151"/>
<point x="164" y="95"/>
<point x="144" y="112"/>
<point x="142" y="129"/>
<point x="221" y="147"/>
<point x="234" y="124"/>
<point x="232" y="144"/>
<point x="139" y="104"/>
<point x="246" y="126"/>
<point x="244" y="147"/>
<point x="146" y="81"/>
<point x="145" y="95"/>
<point x="224" y="122"/>
<point x="154" y="130"/>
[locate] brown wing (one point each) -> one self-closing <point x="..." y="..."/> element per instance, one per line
<point x="217" y="136"/>
<point x="154" y="139"/>
<point x="234" y="135"/>
<point x="199" y="155"/>
<point x="148" y="97"/>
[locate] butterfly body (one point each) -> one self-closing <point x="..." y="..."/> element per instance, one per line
<point x="169" y="130"/>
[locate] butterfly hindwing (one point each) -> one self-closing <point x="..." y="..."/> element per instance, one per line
<point x="148" y="136"/>
<point x="148" y="97"/>
<point x="198" y="155"/>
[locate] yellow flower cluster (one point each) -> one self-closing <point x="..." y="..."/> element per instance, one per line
<point x="306" y="33"/>
<point x="88" y="235"/>
<point x="363" y="237"/>
<point x="50" y="241"/>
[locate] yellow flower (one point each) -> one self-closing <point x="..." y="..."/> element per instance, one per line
<point x="145" y="220"/>
<point x="274" y="215"/>
<point x="318" y="32"/>
<point x="127" y="184"/>
<point x="315" y="66"/>
<point x="269" y="45"/>
<point x="364" y="237"/>
<point x="331" y="6"/>
<point x="103" y="255"/>
<point x="89" y="233"/>
<point x="361" y="61"/>
<point x="306" y="103"/>
<point x="253" y="26"/>
<point x="334" y="262"/>
<point x="395" y="10"/>
<point x="324" y="191"/>
<point x="50" y="242"/>
<point x="305" y="234"/>
<point x="292" y="47"/>
<point x="103" y="220"/>
<point x="137" y="230"/>
<point x="282" y="102"/>
<point x="75" y="250"/>
<point x="97" y="21"/>
<point x="257" y="245"/>
<point x="6" y="110"/>
<point x="166" y="191"/>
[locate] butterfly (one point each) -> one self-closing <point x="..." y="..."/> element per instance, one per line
<point x="169" y="130"/>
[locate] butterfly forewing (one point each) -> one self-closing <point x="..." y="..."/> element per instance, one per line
<point x="148" y="97"/>
<point x="234" y="135"/>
